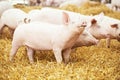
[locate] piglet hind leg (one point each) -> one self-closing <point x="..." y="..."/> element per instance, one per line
<point x="58" y="55"/>
<point x="11" y="32"/>
<point x="66" y="55"/>
<point x="30" y="53"/>
<point x="13" y="52"/>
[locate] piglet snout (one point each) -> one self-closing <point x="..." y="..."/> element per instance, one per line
<point x="84" y="24"/>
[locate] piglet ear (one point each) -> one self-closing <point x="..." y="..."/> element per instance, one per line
<point x="114" y="26"/>
<point x="93" y="21"/>
<point x="66" y="18"/>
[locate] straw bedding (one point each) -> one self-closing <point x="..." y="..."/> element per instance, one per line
<point x="86" y="63"/>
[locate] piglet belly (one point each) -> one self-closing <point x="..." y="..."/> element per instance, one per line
<point x="40" y="44"/>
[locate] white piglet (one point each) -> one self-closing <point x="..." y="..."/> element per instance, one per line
<point x="47" y="36"/>
<point x="11" y="18"/>
<point x="108" y="28"/>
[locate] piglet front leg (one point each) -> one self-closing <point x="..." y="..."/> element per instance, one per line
<point x="66" y="55"/>
<point x="13" y="52"/>
<point x="58" y="55"/>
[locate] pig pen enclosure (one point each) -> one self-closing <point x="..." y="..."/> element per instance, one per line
<point x="86" y="63"/>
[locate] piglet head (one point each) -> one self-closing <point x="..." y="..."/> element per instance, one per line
<point x="77" y="24"/>
<point x="87" y="39"/>
<point x="117" y="30"/>
<point x="80" y="25"/>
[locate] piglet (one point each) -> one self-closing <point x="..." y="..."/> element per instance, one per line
<point x="107" y="28"/>
<point x="46" y="36"/>
<point x="11" y="18"/>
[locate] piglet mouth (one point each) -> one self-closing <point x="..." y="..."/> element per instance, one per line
<point x="83" y="25"/>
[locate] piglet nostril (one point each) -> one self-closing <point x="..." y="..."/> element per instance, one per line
<point x="84" y="24"/>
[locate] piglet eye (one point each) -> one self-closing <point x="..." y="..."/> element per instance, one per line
<point x="119" y="34"/>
